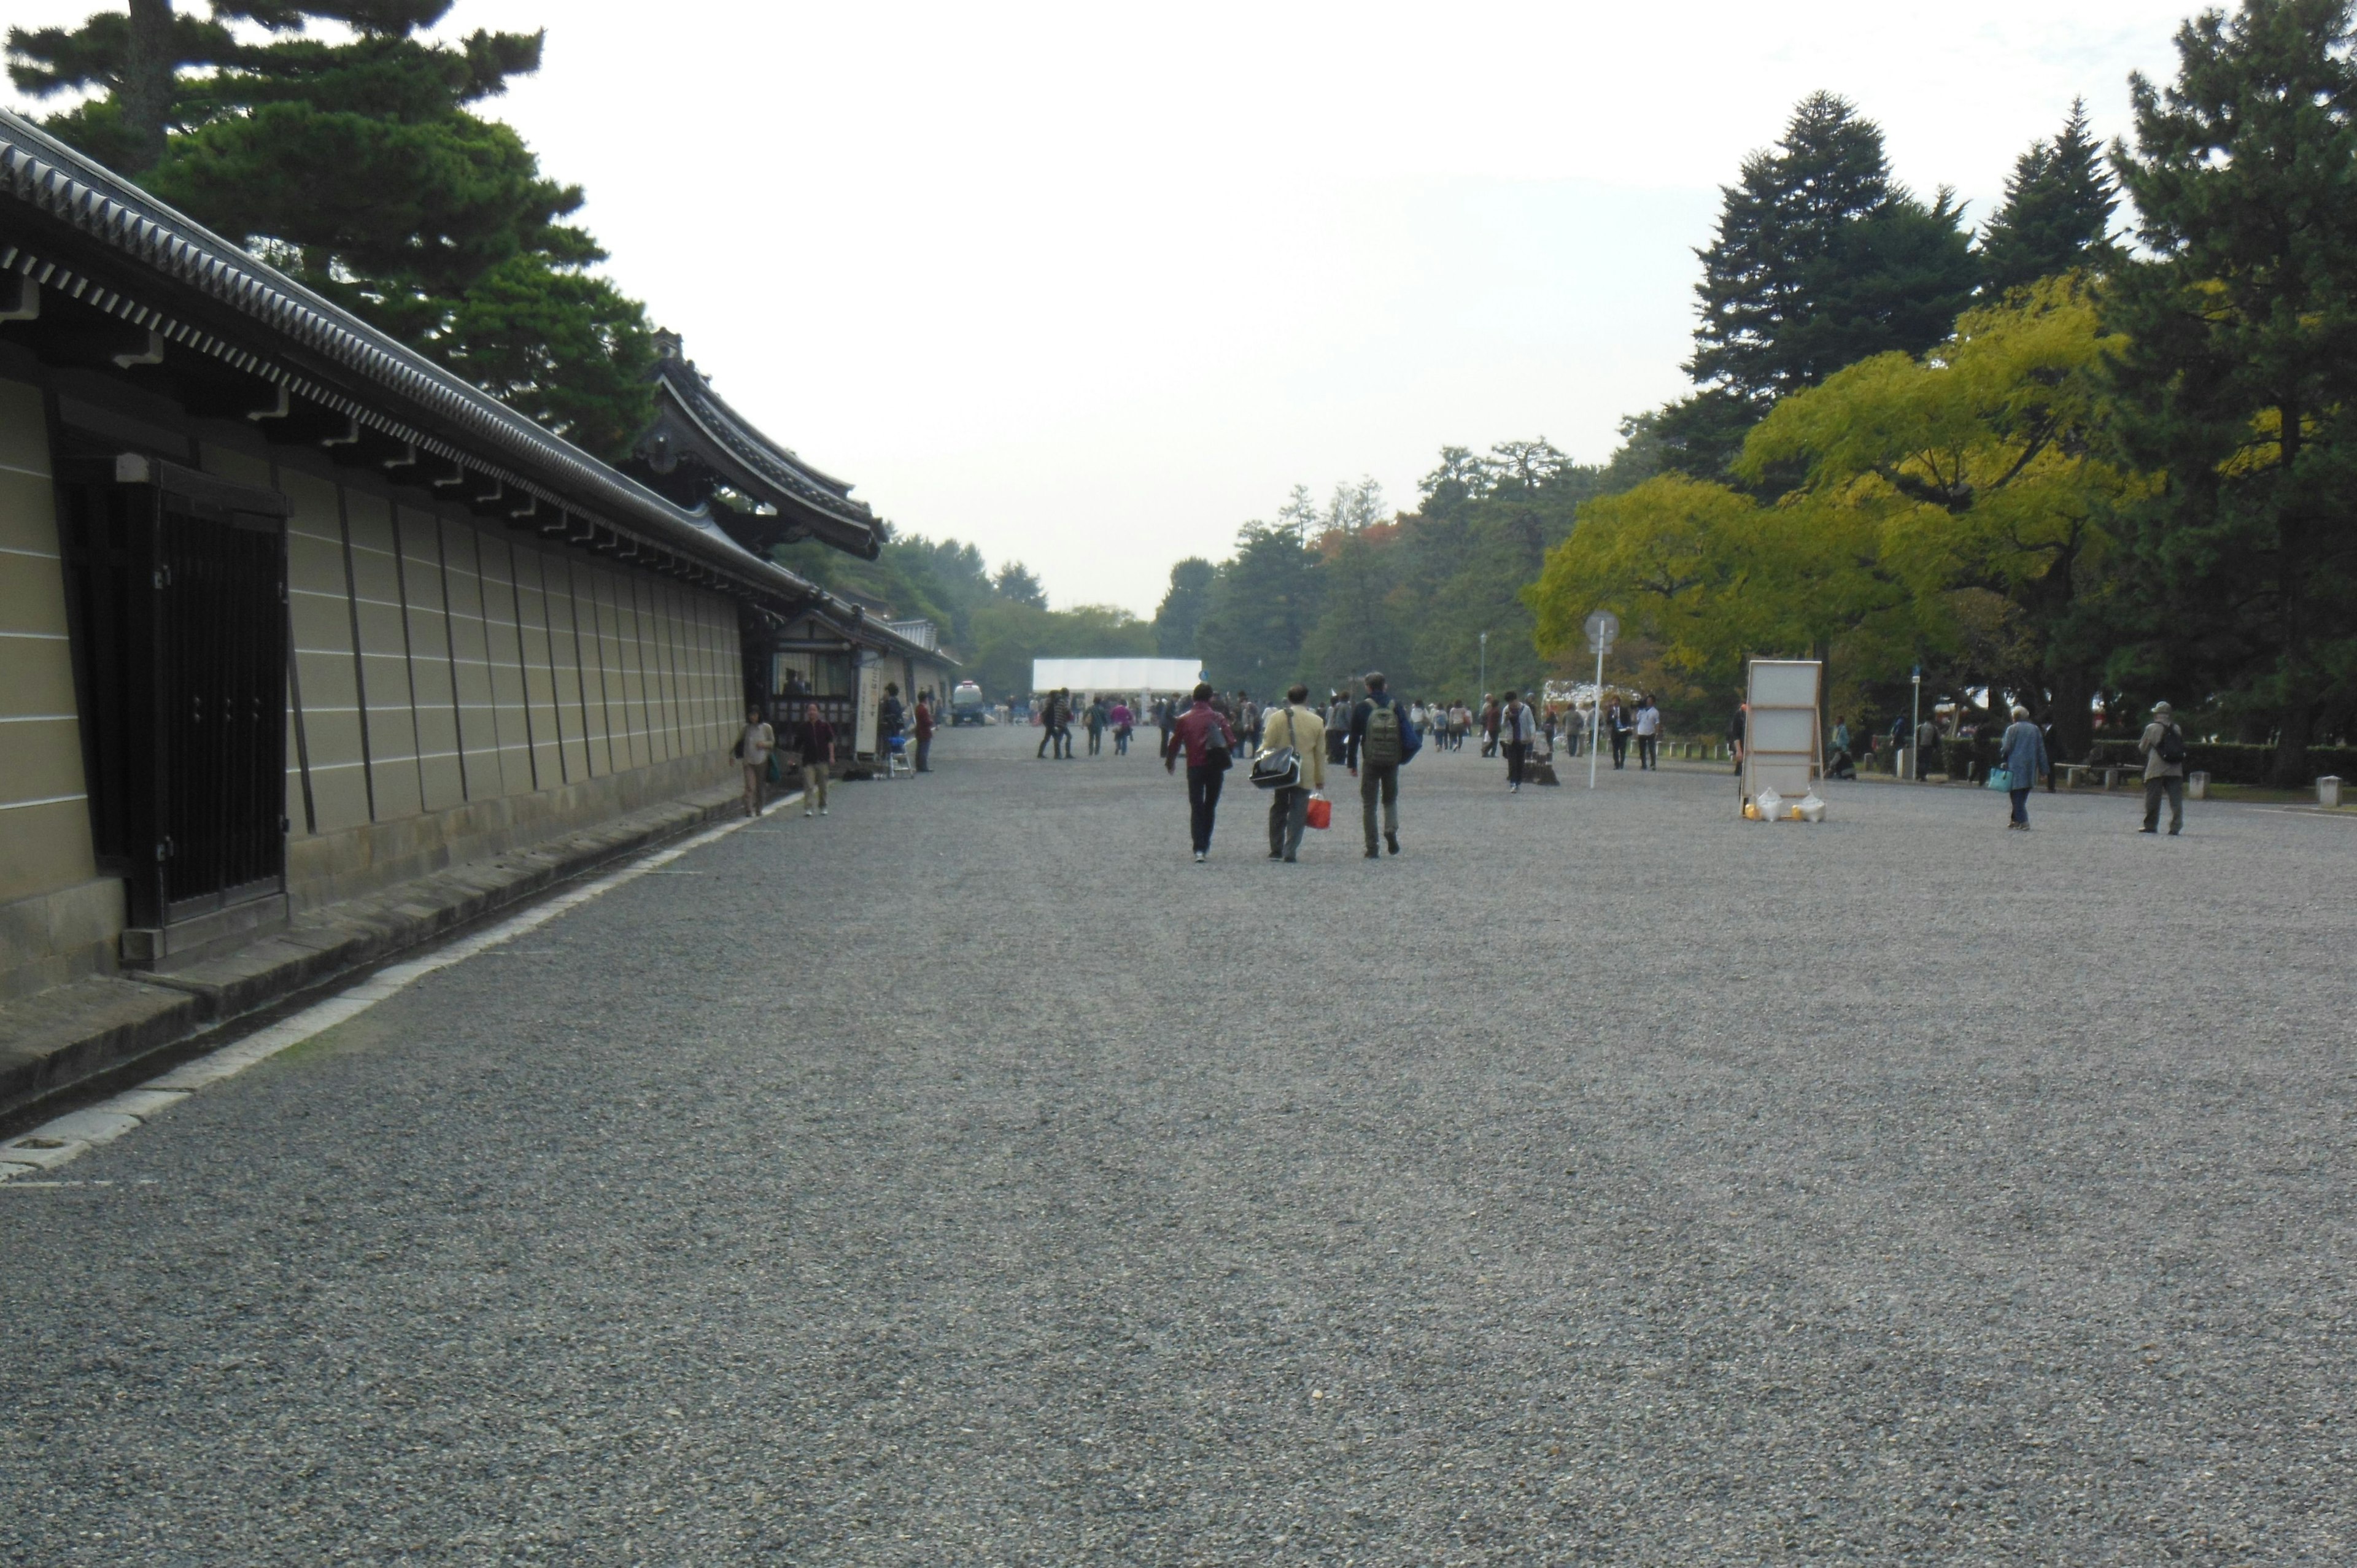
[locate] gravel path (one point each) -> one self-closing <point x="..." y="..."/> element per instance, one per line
<point x="968" y="1178"/>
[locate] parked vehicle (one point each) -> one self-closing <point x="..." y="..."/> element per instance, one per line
<point x="966" y="706"/>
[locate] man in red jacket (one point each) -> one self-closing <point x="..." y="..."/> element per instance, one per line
<point x="1208" y="742"/>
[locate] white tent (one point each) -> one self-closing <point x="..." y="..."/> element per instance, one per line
<point x="1155" y="675"/>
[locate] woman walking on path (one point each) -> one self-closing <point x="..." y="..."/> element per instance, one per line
<point x="2023" y="758"/>
<point x="1516" y="730"/>
<point x="753" y="749"/>
<point x="1122" y="720"/>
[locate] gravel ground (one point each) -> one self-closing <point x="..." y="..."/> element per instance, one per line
<point x="967" y="1177"/>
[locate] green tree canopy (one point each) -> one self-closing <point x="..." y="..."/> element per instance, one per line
<point x="1977" y="469"/>
<point x="1180" y="616"/>
<point x="2240" y="376"/>
<point x="359" y="168"/>
<point x="2057" y="216"/>
<point x="1820" y="261"/>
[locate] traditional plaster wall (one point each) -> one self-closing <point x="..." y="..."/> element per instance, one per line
<point x="458" y="690"/>
<point x="461" y="689"/>
<point x="58" y="918"/>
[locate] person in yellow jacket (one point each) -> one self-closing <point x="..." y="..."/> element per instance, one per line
<point x="1296" y="725"/>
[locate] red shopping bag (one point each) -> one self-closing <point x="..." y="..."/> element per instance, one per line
<point x="1321" y="812"/>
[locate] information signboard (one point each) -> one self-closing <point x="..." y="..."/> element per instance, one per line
<point x="1783" y="753"/>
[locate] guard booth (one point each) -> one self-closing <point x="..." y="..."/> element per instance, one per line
<point x="176" y="590"/>
<point x="1782" y="751"/>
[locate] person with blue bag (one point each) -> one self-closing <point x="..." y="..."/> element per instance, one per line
<point x="2022" y="758"/>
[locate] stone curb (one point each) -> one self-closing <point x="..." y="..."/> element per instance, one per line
<point x="53" y="1041"/>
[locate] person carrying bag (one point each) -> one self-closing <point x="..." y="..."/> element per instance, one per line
<point x="1293" y="773"/>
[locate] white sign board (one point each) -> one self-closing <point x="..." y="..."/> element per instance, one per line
<point x="1083" y="676"/>
<point x="1781" y="749"/>
<point x="871" y="697"/>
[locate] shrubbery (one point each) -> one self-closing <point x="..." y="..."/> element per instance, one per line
<point x="2230" y="762"/>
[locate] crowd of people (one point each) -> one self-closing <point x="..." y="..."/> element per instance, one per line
<point x="1374" y="735"/>
<point x="811" y="748"/>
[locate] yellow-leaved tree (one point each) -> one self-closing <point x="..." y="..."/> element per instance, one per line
<point x="1954" y="500"/>
<point x="1981" y="466"/>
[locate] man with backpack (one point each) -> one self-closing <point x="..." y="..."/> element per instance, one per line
<point x="1205" y="737"/>
<point x="1380" y="739"/>
<point x="2164" y="769"/>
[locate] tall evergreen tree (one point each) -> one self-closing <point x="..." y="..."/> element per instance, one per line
<point x="2057" y="211"/>
<point x="1820" y="261"/>
<point x="1016" y="585"/>
<point x="2241" y="375"/>
<point x="1181" y="612"/>
<point x="1261" y="607"/>
<point x="359" y="168"/>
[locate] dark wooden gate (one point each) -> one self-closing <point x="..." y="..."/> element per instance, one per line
<point x="179" y="593"/>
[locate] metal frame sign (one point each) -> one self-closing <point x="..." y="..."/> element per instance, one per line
<point x="1782" y="752"/>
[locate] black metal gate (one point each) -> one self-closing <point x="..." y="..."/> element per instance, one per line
<point x="180" y="599"/>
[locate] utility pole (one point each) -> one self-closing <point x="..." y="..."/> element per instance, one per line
<point x="1484" y="681"/>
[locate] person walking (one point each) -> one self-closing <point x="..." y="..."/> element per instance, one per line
<point x="1338" y="726"/>
<point x="2022" y="754"/>
<point x="753" y="749"/>
<point x="1097" y="722"/>
<point x="1378" y="743"/>
<point x="891" y="718"/>
<point x="920" y="722"/>
<point x="1843" y="765"/>
<point x="1648" y="725"/>
<point x="813" y="741"/>
<point x="1122" y="720"/>
<point x="2164" y="769"/>
<point x="1489" y="724"/>
<point x="1516" y="730"/>
<point x="1208" y="741"/>
<point x="1622" y="726"/>
<point x="1050" y="708"/>
<point x="1296" y="725"/>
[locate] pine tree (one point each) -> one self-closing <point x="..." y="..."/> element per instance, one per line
<point x="1181" y="612"/>
<point x="2240" y="379"/>
<point x="2057" y="211"/>
<point x="359" y="168"/>
<point x="1820" y="261"/>
<point x="1016" y="585"/>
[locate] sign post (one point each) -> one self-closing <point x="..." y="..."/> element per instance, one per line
<point x="1603" y="626"/>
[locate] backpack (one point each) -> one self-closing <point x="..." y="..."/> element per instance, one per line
<point x="1215" y="744"/>
<point x="2171" y="746"/>
<point x="1381" y="744"/>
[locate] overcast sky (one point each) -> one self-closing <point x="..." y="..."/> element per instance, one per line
<point x="1093" y="285"/>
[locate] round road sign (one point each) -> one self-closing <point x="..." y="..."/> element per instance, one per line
<point x="1603" y="626"/>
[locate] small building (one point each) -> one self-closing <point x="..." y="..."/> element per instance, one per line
<point x="703" y="455"/>
<point x="289" y="613"/>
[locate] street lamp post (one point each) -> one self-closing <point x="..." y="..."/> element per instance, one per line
<point x="1915" y="721"/>
<point x="1603" y="626"/>
<point x="1484" y="681"/>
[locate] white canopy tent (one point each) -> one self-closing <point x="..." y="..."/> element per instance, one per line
<point x="1157" y="677"/>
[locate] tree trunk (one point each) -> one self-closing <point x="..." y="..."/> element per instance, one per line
<point x="147" y="71"/>
<point x="2289" y="770"/>
<point x="2074" y="717"/>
